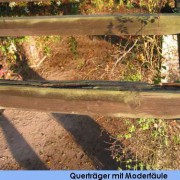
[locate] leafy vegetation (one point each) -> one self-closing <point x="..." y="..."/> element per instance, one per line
<point x="73" y="46"/>
<point x="60" y="7"/>
<point x="10" y="56"/>
<point x="152" y="143"/>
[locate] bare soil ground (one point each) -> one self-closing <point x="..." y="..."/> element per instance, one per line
<point x="37" y="140"/>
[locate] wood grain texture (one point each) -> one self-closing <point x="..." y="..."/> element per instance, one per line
<point x="120" y="99"/>
<point x="142" y="24"/>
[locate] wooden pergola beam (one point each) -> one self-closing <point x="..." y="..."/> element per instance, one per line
<point x="119" y="99"/>
<point x="119" y="24"/>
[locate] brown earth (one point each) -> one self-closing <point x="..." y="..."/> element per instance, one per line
<point x="37" y="140"/>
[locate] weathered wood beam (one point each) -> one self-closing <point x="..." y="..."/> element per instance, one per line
<point x="142" y="24"/>
<point x="90" y="97"/>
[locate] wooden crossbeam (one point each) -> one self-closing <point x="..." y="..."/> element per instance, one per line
<point x="138" y="24"/>
<point x="120" y="99"/>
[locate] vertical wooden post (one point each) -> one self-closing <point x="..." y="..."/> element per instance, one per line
<point x="178" y="40"/>
<point x="177" y="6"/>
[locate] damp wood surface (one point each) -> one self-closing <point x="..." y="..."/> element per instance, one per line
<point x="118" y="24"/>
<point x="119" y="99"/>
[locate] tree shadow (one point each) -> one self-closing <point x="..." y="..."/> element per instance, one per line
<point x="22" y="67"/>
<point x="89" y="135"/>
<point x="19" y="147"/>
<point x="97" y="143"/>
<point x="121" y="24"/>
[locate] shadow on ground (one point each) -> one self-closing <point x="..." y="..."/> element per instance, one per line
<point x="89" y="135"/>
<point x="23" y="153"/>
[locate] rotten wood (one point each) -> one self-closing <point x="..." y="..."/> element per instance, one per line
<point x="120" y="99"/>
<point x="119" y="24"/>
